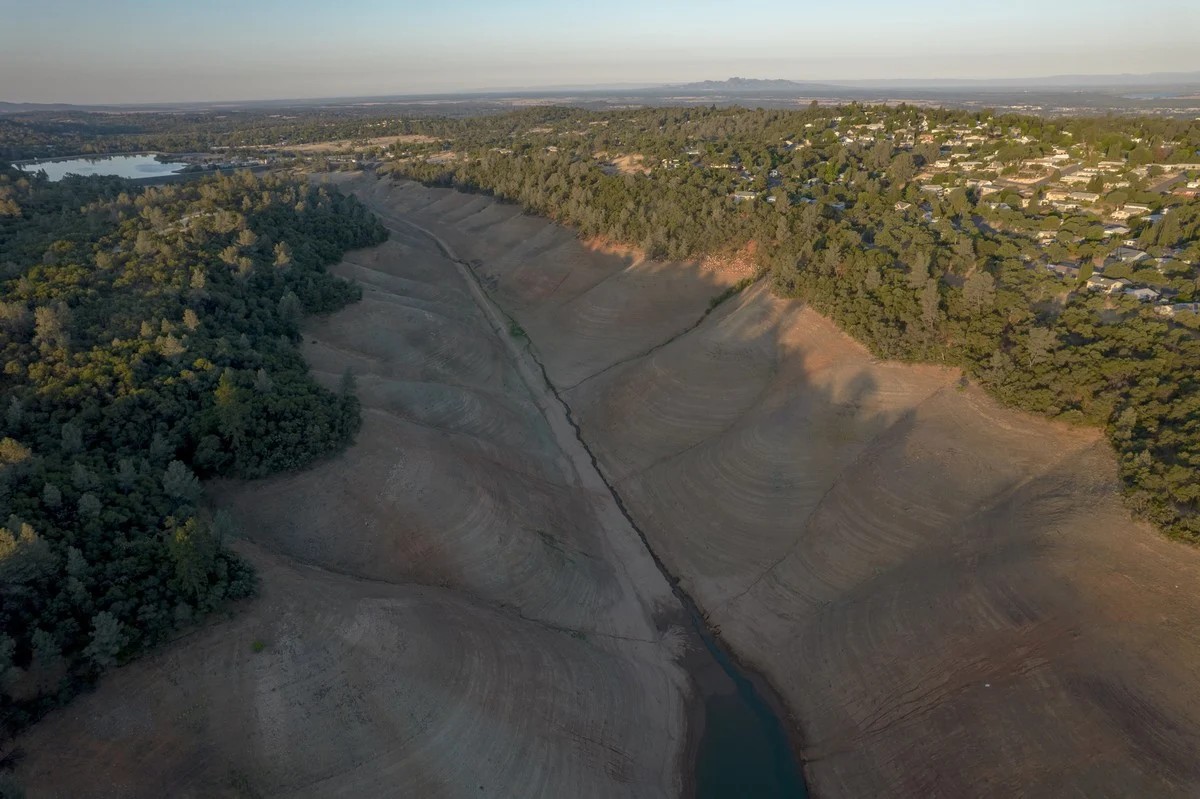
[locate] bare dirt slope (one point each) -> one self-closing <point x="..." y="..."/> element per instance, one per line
<point x="454" y="607"/>
<point x="367" y="688"/>
<point x="950" y="595"/>
<point x="614" y="308"/>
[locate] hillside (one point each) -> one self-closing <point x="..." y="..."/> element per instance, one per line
<point x="457" y="581"/>
<point x="949" y="594"/>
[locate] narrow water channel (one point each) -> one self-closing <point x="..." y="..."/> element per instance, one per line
<point x="745" y="748"/>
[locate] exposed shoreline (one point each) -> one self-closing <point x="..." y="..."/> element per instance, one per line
<point x="757" y="687"/>
<point x="985" y="529"/>
<point x="948" y="595"/>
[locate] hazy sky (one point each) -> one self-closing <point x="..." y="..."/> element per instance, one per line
<point x="89" y="51"/>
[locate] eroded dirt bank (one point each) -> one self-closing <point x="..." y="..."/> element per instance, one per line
<point x="454" y="607"/>
<point x="950" y="595"/>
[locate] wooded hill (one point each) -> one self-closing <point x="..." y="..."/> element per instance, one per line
<point x="148" y="338"/>
<point x="941" y="276"/>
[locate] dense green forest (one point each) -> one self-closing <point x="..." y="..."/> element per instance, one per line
<point x="913" y="274"/>
<point x="148" y="337"/>
<point x="44" y="134"/>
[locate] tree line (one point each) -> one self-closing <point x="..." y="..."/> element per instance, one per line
<point x="149" y="340"/>
<point x="913" y="275"/>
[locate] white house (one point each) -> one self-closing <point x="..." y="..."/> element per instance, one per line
<point x="1143" y="294"/>
<point x="1178" y="308"/>
<point x="1107" y="285"/>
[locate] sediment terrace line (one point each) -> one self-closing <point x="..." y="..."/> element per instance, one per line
<point x="670" y="339"/>
<point x="493" y="606"/>
<point x="742" y="676"/>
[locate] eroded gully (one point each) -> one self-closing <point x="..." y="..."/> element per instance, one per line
<point x="745" y="748"/>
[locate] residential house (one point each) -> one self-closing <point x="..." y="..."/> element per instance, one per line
<point x="744" y="196"/>
<point x="1123" y="214"/>
<point x="1178" y="308"/>
<point x="1065" y="271"/>
<point x="1107" y="285"/>
<point x="1143" y="294"/>
<point x="1130" y="255"/>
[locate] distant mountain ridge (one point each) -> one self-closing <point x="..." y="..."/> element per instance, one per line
<point x="21" y="108"/>
<point x="738" y="85"/>
<point x="767" y="87"/>
<point x="749" y="85"/>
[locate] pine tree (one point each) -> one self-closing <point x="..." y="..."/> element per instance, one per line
<point x="89" y="506"/>
<point x="72" y="438"/>
<point x="14" y="415"/>
<point x="194" y="552"/>
<point x="179" y="482"/>
<point x="126" y="474"/>
<point x="231" y="411"/>
<point x="283" y="255"/>
<point x="979" y="291"/>
<point x="107" y="638"/>
<point x="290" y="308"/>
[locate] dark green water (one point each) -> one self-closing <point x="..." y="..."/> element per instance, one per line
<point x="745" y="750"/>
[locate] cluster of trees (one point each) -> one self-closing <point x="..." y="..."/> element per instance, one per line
<point x="1075" y="355"/>
<point x="912" y="274"/>
<point x="42" y="134"/>
<point x="148" y="339"/>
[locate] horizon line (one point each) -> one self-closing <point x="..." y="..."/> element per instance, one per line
<point x="849" y="83"/>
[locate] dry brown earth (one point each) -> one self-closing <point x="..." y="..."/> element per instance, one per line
<point x="316" y="148"/>
<point x="454" y="607"/>
<point x="950" y="595"/>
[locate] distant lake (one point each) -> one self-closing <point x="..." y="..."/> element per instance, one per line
<point x="124" y="166"/>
